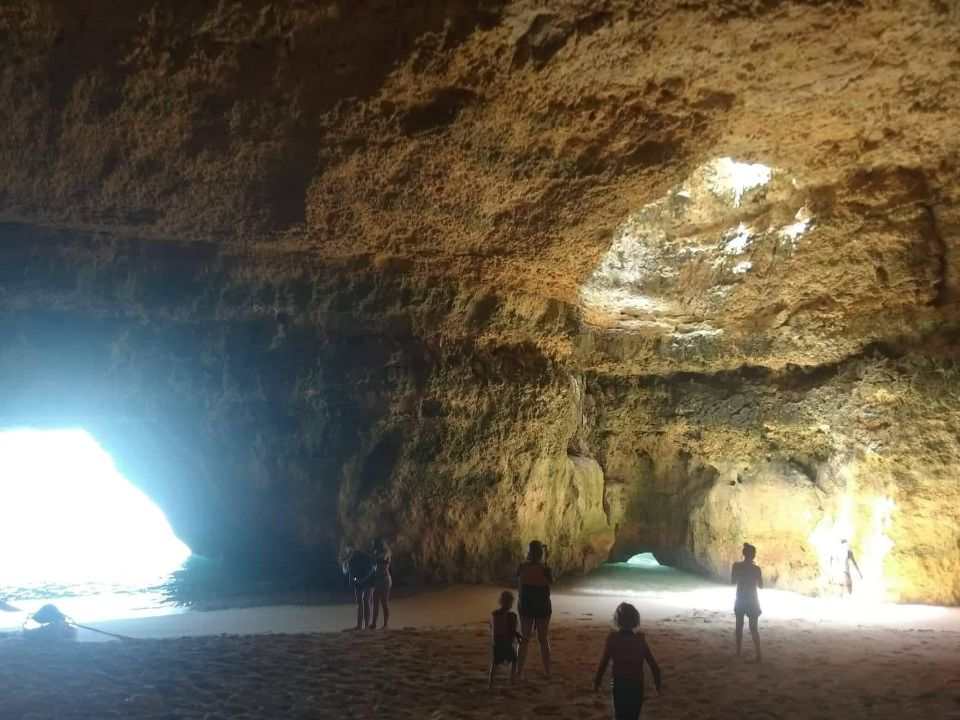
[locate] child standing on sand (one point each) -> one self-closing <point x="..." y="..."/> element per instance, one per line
<point x="749" y="579"/>
<point x="628" y="650"/>
<point x="504" y="636"/>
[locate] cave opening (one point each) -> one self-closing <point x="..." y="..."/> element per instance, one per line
<point x="640" y="574"/>
<point x="644" y="560"/>
<point x="72" y="525"/>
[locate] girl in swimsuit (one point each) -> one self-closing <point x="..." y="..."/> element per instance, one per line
<point x="749" y="579"/>
<point x="534" y="579"/>
<point x="382" y="582"/>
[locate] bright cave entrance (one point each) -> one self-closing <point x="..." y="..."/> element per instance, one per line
<point x="640" y="575"/>
<point x="644" y="560"/>
<point x="72" y="526"/>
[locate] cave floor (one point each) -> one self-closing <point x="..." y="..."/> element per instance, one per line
<point x="822" y="660"/>
<point x="810" y="671"/>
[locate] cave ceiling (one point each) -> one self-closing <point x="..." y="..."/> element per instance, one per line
<point x="503" y="147"/>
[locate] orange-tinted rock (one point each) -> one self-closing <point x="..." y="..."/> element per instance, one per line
<point x="319" y="271"/>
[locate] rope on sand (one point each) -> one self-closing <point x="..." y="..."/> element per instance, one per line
<point x="102" y="632"/>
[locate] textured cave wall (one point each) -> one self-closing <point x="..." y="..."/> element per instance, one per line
<point x="313" y="272"/>
<point x="696" y="465"/>
<point x="268" y="426"/>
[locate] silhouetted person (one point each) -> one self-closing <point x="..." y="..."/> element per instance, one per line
<point x="504" y="634"/>
<point x="628" y="650"/>
<point x="359" y="568"/>
<point x="845" y="560"/>
<point x="534" y="580"/>
<point x="749" y="580"/>
<point x="382" y="582"/>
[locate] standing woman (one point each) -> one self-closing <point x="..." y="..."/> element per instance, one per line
<point x="748" y="577"/>
<point x="534" y="579"/>
<point x="382" y="582"/>
<point x="359" y="568"/>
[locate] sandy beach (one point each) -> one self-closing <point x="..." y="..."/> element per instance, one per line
<point x="265" y="668"/>
<point x="810" y="672"/>
<point x="823" y="659"/>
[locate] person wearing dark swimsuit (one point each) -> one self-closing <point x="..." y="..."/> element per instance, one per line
<point x="534" y="580"/>
<point x="359" y="569"/>
<point x="749" y="579"/>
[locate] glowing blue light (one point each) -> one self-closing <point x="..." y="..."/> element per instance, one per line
<point x="67" y="516"/>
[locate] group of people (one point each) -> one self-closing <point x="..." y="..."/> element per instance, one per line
<point x="626" y="648"/>
<point x="369" y="573"/>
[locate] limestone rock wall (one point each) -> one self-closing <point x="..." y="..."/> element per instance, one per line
<point x="319" y="271"/>
<point x="792" y="462"/>
<point x="268" y="427"/>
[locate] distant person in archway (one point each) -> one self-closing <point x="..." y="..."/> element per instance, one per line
<point x="534" y="580"/>
<point x="382" y="582"/>
<point x="845" y="559"/>
<point x="748" y="578"/>
<point x="359" y="569"/>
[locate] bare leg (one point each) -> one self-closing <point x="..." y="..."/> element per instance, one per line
<point x="358" y="595"/>
<point x="385" y="599"/>
<point x="755" y="634"/>
<point x="543" y="635"/>
<point x="493" y="672"/>
<point x="526" y="628"/>
<point x="739" y="633"/>
<point x="377" y="594"/>
<point x="513" y="672"/>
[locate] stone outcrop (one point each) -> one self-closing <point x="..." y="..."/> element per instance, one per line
<point x="623" y="277"/>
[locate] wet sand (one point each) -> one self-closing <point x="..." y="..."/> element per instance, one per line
<point x="810" y="671"/>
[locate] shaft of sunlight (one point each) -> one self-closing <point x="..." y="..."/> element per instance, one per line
<point x="67" y="516"/>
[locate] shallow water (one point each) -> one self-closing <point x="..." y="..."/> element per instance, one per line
<point x="200" y="584"/>
<point x="95" y="607"/>
<point x="205" y="585"/>
<point x="86" y="602"/>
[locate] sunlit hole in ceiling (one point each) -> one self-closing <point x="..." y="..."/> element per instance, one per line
<point x="674" y="264"/>
<point x="68" y="517"/>
<point x="733" y="179"/>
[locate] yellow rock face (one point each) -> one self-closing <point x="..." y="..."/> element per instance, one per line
<point x="648" y="276"/>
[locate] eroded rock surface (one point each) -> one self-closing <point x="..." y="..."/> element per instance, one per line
<point x="465" y="274"/>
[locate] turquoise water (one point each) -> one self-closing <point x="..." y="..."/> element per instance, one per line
<point x="637" y="579"/>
